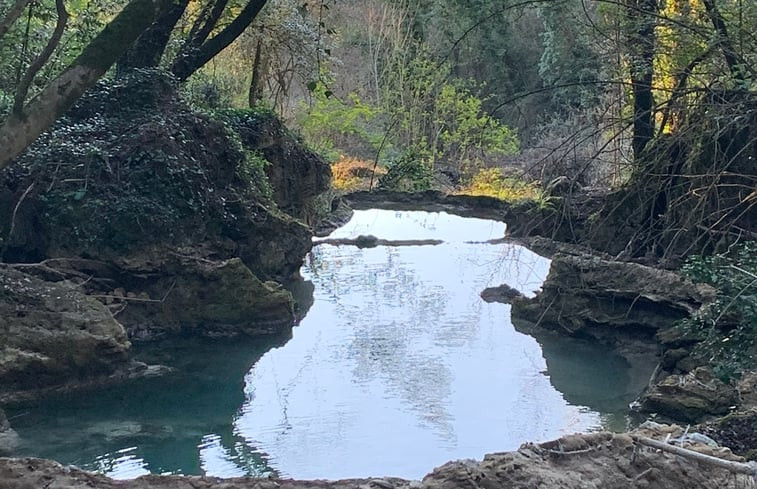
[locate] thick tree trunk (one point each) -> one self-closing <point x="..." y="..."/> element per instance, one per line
<point x="150" y="46"/>
<point x="20" y="130"/>
<point x="195" y="57"/>
<point x="641" y="16"/>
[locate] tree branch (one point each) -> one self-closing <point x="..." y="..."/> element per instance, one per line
<point x="18" y="131"/>
<point x="735" y="65"/>
<point x="13" y="14"/>
<point x="39" y="62"/>
<point x="184" y="66"/>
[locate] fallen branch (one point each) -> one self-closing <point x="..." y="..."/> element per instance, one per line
<point x="749" y="468"/>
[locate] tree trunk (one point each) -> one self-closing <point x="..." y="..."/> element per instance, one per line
<point x="641" y="16"/>
<point x="20" y="130"/>
<point x="195" y="58"/>
<point x="23" y="86"/>
<point x="259" y="70"/>
<point x="735" y="65"/>
<point x="149" y="47"/>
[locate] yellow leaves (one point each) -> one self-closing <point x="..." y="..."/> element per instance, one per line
<point x="492" y="182"/>
<point x="350" y="174"/>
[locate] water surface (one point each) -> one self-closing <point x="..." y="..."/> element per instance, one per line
<point x="397" y="367"/>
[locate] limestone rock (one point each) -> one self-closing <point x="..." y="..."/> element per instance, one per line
<point x="603" y="298"/>
<point x="201" y="295"/>
<point x="501" y="293"/>
<point x="53" y="333"/>
<point x="690" y="397"/>
<point x="226" y="297"/>
<point x="588" y="461"/>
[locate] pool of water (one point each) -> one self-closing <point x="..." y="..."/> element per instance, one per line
<point x="397" y="367"/>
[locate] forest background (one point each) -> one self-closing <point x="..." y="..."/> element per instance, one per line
<point x="649" y="104"/>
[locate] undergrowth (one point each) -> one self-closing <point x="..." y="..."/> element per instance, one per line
<point x="492" y="182"/>
<point x="727" y="327"/>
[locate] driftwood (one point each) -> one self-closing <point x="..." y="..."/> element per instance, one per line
<point x="749" y="468"/>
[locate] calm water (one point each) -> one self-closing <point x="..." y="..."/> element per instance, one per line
<point x="397" y="367"/>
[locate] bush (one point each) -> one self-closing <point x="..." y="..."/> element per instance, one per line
<point x="408" y="174"/>
<point x="351" y="174"/>
<point x="493" y="182"/>
<point x="726" y="328"/>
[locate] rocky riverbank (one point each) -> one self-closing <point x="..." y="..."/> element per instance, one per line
<point x="597" y="460"/>
<point x="137" y="217"/>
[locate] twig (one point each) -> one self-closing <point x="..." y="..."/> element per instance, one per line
<point x="15" y="209"/>
<point x="749" y="468"/>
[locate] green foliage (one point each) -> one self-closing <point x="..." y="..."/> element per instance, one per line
<point x="332" y="126"/>
<point x="209" y="92"/>
<point x="467" y="133"/>
<point x="726" y="328"/>
<point x="569" y="56"/>
<point x="493" y="182"/>
<point x="408" y="174"/>
<point x="252" y="172"/>
<point x="17" y="49"/>
<point x="426" y="113"/>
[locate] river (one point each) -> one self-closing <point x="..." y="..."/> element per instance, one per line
<point x="396" y="367"/>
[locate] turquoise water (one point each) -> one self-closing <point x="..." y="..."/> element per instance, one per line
<point x="397" y="367"/>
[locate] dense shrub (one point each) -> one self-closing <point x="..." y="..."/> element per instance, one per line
<point x="726" y="328"/>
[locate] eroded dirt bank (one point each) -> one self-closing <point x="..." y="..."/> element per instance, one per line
<point x="590" y="461"/>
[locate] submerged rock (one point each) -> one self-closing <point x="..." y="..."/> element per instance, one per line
<point x="53" y="334"/>
<point x="9" y="439"/>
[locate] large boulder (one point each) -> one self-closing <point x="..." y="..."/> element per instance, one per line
<point x="607" y="299"/>
<point x="53" y="334"/>
<point x="189" y="294"/>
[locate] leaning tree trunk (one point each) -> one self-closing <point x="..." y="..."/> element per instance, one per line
<point x="151" y="44"/>
<point x="21" y="129"/>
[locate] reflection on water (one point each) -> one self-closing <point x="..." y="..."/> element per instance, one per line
<point x="177" y="424"/>
<point x="400" y="366"/>
<point x="397" y="367"/>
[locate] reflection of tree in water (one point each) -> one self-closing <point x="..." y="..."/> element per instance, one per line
<point x="525" y="270"/>
<point x="401" y="326"/>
